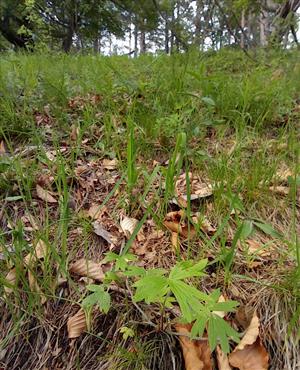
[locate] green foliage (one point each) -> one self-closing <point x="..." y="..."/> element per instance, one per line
<point x="99" y="297"/>
<point x="195" y="305"/>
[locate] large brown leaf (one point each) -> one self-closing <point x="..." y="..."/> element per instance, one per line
<point x="87" y="268"/>
<point x="45" y="195"/>
<point x="196" y="353"/>
<point x="76" y="324"/>
<point x="11" y="279"/>
<point x="222" y="358"/>
<point x="252" y="357"/>
<point x="250" y="354"/>
<point x="40" y="251"/>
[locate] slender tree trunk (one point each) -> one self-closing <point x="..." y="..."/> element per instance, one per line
<point x="243" y="23"/>
<point x="198" y="23"/>
<point x="135" y="34"/>
<point x="167" y="35"/>
<point x="143" y="39"/>
<point x="67" y="41"/>
<point x="96" y="45"/>
<point x="172" y="31"/>
<point x="263" y="27"/>
<point x="177" y="20"/>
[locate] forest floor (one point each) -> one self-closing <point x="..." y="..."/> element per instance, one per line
<point x="137" y="193"/>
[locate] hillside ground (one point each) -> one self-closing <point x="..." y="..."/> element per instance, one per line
<point x="162" y="158"/>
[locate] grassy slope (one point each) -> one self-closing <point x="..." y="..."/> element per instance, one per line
<point x="242" y="126"/>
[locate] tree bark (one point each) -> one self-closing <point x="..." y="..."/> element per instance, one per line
<point x="135" y="35"/>
<point x="142" y="39"/>
<point x="243" y="22"/>
<point x="167" y="50"/>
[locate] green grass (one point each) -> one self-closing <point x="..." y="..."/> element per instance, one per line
<point x="232" y="121"/>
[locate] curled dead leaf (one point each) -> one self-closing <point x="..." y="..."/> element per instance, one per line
<point x="88" y="268"/>
<point x="95" y="211"/>
<point x="250" y="354"/>
<point x="222" y="358"/>
<point x="74" y="132"/>
<point x="110" y="164"/>
<point x="128" y="225"/>
<point x="175" y="241"/>
<point x="282" y="175"/>
<point x="11" y="279"/>
<point x="280" y="189"/>
<point x="175" y="222"/>
<point x="220" y="313"/>
<point x="45" y="195"/>
<point x="2" y="148"/>
<point x="196" y="353"/>
<point x="76" y="324"/>
<point x="198" y="189"/>
<point x="100" y="231"/>
<point x="251" y="333"/>
<point x="252" y="357"/>
<point x="34" y="287"/>
<point x="40" y="251"/>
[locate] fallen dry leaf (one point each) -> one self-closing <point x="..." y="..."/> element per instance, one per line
<point x="100" y="231"/>
<point x="283" y="174"/>
<point x="74" y="132"/>
<point x="88" y="268"/>
<point x="198" y="189"/>
<point x="175" y="241"/>
<point x="280" y="189"/>
<point x="40" y="251"/>
<point x="2" y="148"/>
<point x="220" y="313"/>
<point x="34" y="287"/>
<point x="11" y="279"/>
<point x="95" y="211"/>
<point x="76" y="324"/>
<point x="196" y="353"/>
<point x="128" y="225"/>
<point x="251" y="333"/>
<point x="252" y="357"/>
<point x="222" y="358"/>
<point x="175" y="222"/>
<point x="110" y="164"/>
<point x="255" y="248"/>
<point x="45" y="195"/>
<point x="250" y="354"/>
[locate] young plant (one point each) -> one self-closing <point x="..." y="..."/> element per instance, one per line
<point x="156" y="286"/>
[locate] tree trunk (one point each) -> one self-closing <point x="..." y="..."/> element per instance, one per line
<point x="263" y="28"/>
<point x="243" y="22"/>
<point x="68" y="39"/>
<point x="96" y="45"/>
<point x="167" y="35"/>
<point x="198" y="23"/>
<point x="135" y="34"/>
<point x="142" y="39"/>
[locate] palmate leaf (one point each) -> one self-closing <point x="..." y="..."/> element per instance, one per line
<point x="199" y="325"/>
<point x="188" y="269"/>
<point x="152" y="287"/>
<point x="188" y="298"/>
<point x="220" y="331"/>
<point x="99" y="297"/>
<point x="214" y="305"/>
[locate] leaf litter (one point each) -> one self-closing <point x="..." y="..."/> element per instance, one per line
<point x="94" y="180"/>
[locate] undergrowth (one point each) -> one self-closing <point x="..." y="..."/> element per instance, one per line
<point x="120" y="136"/>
